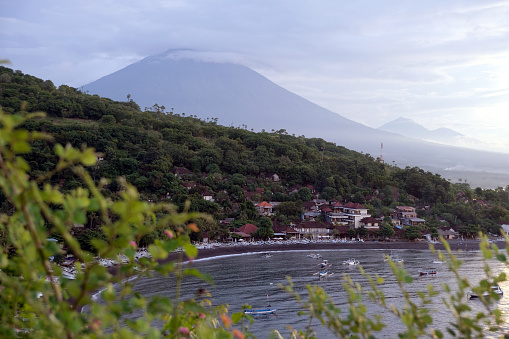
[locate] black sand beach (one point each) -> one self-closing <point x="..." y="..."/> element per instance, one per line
<point x="456" y="245"/>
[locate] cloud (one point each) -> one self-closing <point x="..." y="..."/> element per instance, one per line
<point x="440" y="63"/>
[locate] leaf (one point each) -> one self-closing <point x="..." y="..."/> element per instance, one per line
<point x="79" y="217"/>
<point x="88" y="158"/>
<point x="157" y="252"/>
<point x="191" y="250"/>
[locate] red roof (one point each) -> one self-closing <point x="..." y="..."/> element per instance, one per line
<point x="182" y="170"/>
<point x="264" y="204"/>
<point x="248" y="228"/>
<point x="354" y="205"/>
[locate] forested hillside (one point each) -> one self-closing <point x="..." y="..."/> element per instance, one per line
<point x="234" y="165"/>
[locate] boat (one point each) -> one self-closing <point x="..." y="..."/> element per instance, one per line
<point x="438" y="261"/>
<point x="351" y="261"/>
<point x="260" y="311"/>
<point x="494" y="289"/>
<point x="323" y="274"/>
<point x="428" y="272"/>
<point x="314" y="256"/>
<point x="393" y="258"/>
<point x="325" y="264"/>
<point x="267" y="255"/>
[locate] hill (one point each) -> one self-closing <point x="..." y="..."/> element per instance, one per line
<point x="446" y="136"/>
<point x="184" y="82"/>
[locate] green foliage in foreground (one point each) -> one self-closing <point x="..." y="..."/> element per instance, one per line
<point x="39" y="209"/>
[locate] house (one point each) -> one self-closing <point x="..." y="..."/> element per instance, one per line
<point x="505" y="226"/>
<point x="403" y="212"/>
<point x="207" y="196"/>
<point x="337" y="206"/>
<point x="370" y="223"/>
<point x="264" y="208"/>
<point x="336" y="218"/>
<point x="413" y="221"/>
<point x="283" y="231"/>
<point x="354" y="212"/>
<point x="308" y="206"/>
<point x="248" y="228"/>
<point x="447" y="233"/>
<point x="182" y="172"/>
<point x="313" y="229"/>
<point x="245" y="231"/>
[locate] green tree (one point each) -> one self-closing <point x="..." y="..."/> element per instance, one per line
<point x="387" y="229"/>
<point x="264" y="230"/>
<point x="412" y="232"/>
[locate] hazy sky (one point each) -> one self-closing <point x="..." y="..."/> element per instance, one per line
<point x="439" y="63"/>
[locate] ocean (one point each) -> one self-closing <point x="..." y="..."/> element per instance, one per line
<point x="253" y="279"/>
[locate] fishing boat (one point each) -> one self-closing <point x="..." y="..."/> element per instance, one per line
<point x="351" y="261"/>
<point x="260" y="311"/>
<point x="314" y="256"/>
<point x="324" y="264"/>
<point x="494" y="289"/>
<point x="393" y="258"/>
<point x="323" y="274"/>
<point x="428" y="272"/>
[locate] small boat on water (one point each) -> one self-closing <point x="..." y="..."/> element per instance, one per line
<point x="267" y="255"/>
<point x="393" y="258"/>
<point x="428" y="272"/>
<point x="351" y="261"/>
<point x="314" y="256"/>
<point x="261" y="311"/>
<point x="494" y="289"/>
<point x="324" y="264"/>
<point x="323" y="274"/>
<point x="438" y="261"/>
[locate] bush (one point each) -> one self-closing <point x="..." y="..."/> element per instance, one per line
<point x="35" y="297"/>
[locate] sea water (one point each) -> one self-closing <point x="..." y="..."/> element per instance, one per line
<point x="254" y="279"/>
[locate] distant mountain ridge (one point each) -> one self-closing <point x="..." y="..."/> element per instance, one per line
<point x="442" y="135"/>
<point x="185" y="82"/>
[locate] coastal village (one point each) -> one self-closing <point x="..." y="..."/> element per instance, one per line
<point x="320" y="219"/>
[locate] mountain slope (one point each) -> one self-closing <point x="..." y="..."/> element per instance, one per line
<point x="411" y="129"/>
<point x="239" y="96"/>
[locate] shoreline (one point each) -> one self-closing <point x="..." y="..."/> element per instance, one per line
<point x="245" y="248"/>
<point x="455" y="245"/>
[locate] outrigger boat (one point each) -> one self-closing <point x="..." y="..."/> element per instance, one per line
<point x="351" y="261"/>
<point x="260" y="312"/>
<point x="428" y="272"/>
<point x="323" y="274"/>
<point x="393" y="258"/>
<point x="494" y="289"/>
